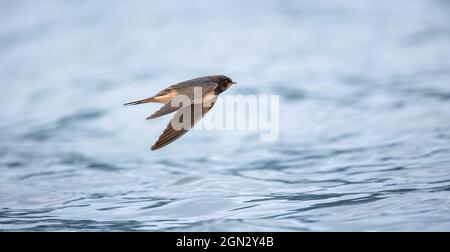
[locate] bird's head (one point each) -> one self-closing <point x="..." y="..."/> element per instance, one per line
<point x="224" y="81"/>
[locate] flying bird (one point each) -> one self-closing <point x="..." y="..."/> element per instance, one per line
<point x="199" y="95"/>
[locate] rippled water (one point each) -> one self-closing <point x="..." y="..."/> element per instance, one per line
<point x="364" y="123"/>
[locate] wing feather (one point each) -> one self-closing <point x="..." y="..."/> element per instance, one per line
<point x="164" y="110"/>
<point x="171" y="134"/>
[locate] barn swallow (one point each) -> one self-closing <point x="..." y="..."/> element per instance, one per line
<point x="201" y="94"/>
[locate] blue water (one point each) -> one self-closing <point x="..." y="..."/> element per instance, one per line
<point x="364" y="139"/>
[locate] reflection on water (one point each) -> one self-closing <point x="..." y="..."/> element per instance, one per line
<point x="365" y="118"/>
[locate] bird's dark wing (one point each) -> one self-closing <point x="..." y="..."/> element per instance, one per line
<point x="175" y="129"/>
<point x="164" y="110"/>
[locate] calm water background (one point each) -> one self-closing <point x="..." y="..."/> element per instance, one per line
<point x="365" y="116"/>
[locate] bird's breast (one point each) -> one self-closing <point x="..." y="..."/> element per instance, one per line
<point x="207" y="98"/>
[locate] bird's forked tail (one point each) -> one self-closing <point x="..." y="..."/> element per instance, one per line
<point x="147" y="100"/>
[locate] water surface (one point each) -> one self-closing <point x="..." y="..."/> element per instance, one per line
<point x="364" y="139"/>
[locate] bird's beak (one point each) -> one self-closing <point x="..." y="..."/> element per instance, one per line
<point x="233" y="82"/>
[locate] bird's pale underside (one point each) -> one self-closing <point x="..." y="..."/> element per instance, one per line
<point x="191" y="100"/>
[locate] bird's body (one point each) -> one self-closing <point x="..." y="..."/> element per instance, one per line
<point x="199" y="97"/>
